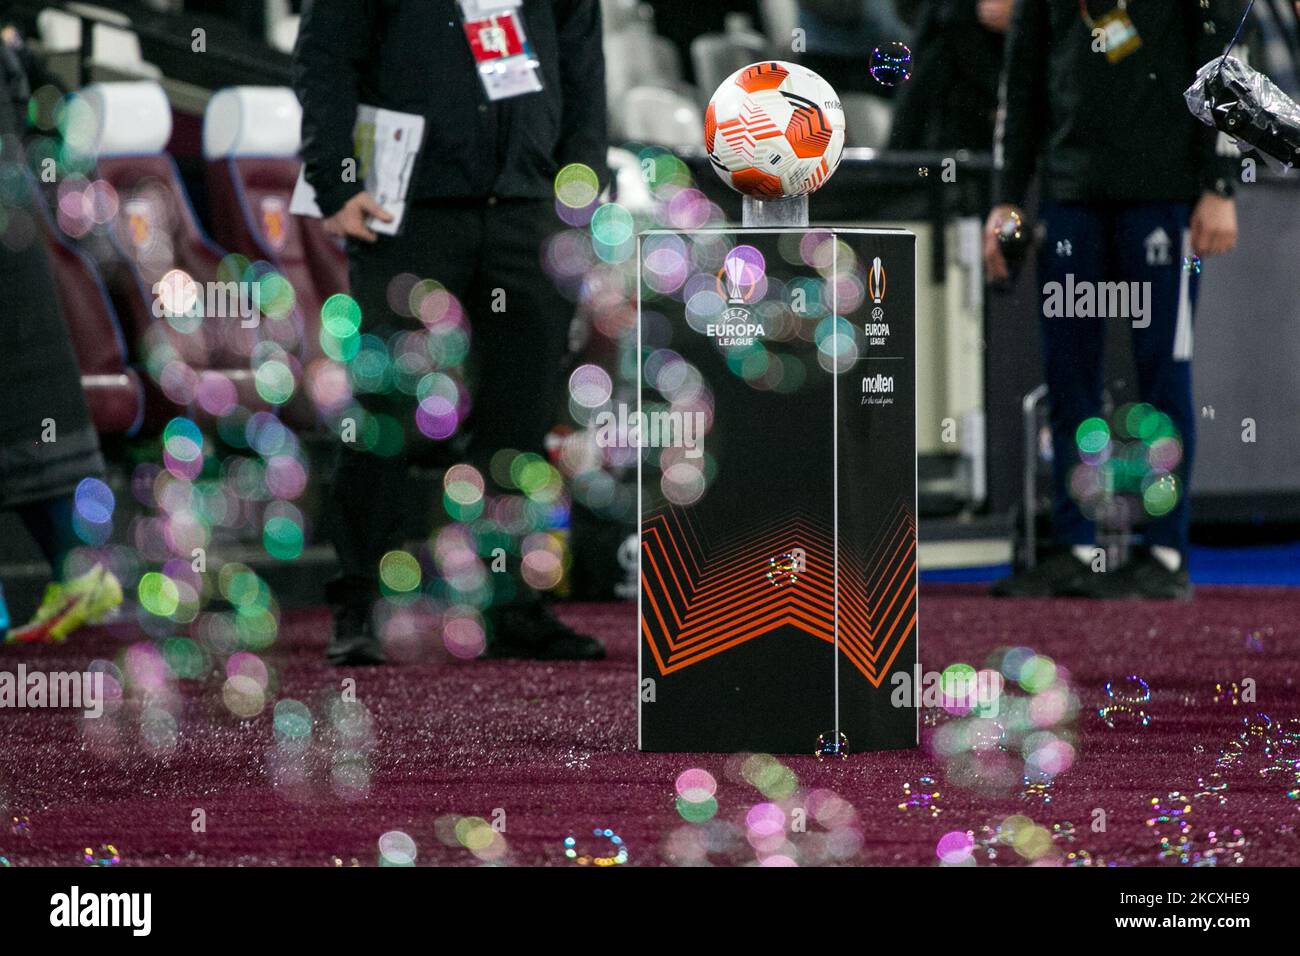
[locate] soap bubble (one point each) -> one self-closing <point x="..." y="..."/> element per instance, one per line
<point x="828" y="746"/>
<point x="1011" y="228"/>
<point x="955" y="848"/>
<point x="106" y="855"/>
<point x="696" y="785"/>
<point x="1170" y="826"/>
<point x="923" y="796"/>
<point x="396" y="849"/>
<point x="784" y="568"/>
<point x="1125" y="700"/>
<point x="891" y="64"/>
<point x="607" y="849"/>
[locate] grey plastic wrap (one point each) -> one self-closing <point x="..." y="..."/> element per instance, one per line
<point x="1244" y="103"/>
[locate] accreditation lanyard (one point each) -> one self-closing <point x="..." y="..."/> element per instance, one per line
<point x="507" y="65"/>
<point x="1115" y="30"/>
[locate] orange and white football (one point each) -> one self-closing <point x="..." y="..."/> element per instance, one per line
<point x="774" y="130"/>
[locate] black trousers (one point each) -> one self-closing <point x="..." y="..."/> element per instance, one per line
<point x="488" y="255"/>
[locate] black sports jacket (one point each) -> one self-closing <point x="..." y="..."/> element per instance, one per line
<point x="1110" y="132"/>
<point x="413" y="56"/>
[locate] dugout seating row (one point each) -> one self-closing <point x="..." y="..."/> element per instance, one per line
<point x="139" y="368"/>
<point x="107" y="278"/>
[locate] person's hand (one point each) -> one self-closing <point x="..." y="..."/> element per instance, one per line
<point x="351" y="219"/>
<point x="995" y="15"/>
<point x="995" y="264"/>
<point x="1214" y="225"/>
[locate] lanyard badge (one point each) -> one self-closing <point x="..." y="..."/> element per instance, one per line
<point x="1119" y="34"/>
<point x="506" y="63"/>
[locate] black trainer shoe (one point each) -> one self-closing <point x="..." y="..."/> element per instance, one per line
<point x="1145" y="578"/>
<point x="1060" y="575"/>
<point x="532" y="632"/>
<point x="354" y="642"/>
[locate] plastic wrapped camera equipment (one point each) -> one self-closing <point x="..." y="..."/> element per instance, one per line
<point x="1244" y="103"/>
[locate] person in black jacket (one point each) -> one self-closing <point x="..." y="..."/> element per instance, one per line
<point x="1134" y="193"/>
<point x="48" y="444"/>
<point x="480" y="205"/>
<point x="951" y="100"/>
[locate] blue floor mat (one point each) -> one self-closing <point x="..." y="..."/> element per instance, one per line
<point x="1269" y="564"/>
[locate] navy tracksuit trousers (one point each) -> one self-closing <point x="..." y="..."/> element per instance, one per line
<point x="1108" y="243"/>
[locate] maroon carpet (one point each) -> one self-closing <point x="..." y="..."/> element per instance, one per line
<point x="549" y="751"/>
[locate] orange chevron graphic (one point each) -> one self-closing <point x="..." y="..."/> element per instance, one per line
<point x="808" y="131"/>
<point x="757" y="182"/>
<point x="762" y="76"/>
<point x="700" y="600"/>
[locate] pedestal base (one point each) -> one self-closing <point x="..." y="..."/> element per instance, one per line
<point x="758" y="213"/>
<point x="778" y="489"/>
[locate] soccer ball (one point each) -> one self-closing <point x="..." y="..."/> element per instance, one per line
<point x="774" y="130"/>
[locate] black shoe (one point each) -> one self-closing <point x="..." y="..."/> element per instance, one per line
<point x="1060" y="575"/>
<point x="532" y="632"/>
<point x="354" y="642"/>
<point x="1145" y="578"/>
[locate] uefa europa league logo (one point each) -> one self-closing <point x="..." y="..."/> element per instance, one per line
<point x="742" y="271"/>
<point x="741" y="281"/>
<point x="733" y="269"/>
<point x="876" y="281"/>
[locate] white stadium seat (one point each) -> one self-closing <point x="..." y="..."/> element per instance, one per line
<point x="116" y="47"/>
<point x="867" y="120"/>
<point x="715" y="56"/>
<point x="633" y="193"/>
<point x="637" y="57"/>
<point x="664" y="118"/>
<point x="617" y="14"/>
<point x="283" y="34"/>
<point x="252" y="121"/>
<point x="780" y="17"/>
<point x="120" y="119"/>
<point x="281" y="25"/>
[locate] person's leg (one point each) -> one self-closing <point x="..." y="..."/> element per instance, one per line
<point x="1162" y="351"/>
<point x="521" y="326"/>
<point x="68" y="603"/>
<point x="49" y="523"/>
<point x="520" y="323"/>
<point x="368" y="493"/>
<point x="1073" y="252"/>
<point x="366" y="498"/>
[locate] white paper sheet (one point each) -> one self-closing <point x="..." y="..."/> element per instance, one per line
<point x="386" y="143"/>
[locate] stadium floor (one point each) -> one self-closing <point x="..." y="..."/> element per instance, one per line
<point x="554" y="747"/>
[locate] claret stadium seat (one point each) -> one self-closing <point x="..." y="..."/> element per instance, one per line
<point x="114" y="391"/>
<point x="250" y="140"/>
<point x="199" y="336"/>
